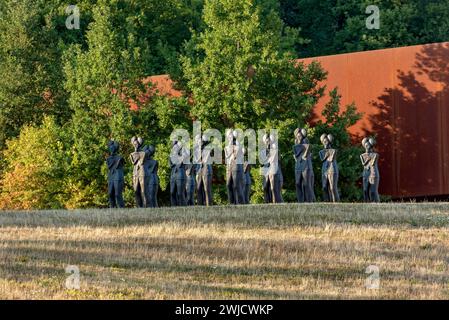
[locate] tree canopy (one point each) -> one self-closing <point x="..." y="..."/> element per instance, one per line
<point x="65" y="92"/>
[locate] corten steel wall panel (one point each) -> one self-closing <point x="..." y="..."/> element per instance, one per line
<point x="404" y="95"/>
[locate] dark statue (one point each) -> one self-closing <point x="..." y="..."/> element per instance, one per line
<point x="178" y="176"/>
<point x="265" y="167"/>
<point x="329" y="178"/>
<point x="304" y="177"/>
<point x="275" y="176"/>
<point x="152" y="167"/>
<point x="187" y="178"/>
<point x="272" y="175"/>
<point x="370" y="174"/>
<point x="234" y="170"/>
<point x="116" y="180"/>
<point x="247" y="181"/>
<point x="204" y="178"/>
<point x="190" y="184"/>
<point x="145" y="181"/>
<point x="140" y="177"/>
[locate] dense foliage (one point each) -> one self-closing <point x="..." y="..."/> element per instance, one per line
<point x="339" y="26"/>
<point x="64" y="93"/>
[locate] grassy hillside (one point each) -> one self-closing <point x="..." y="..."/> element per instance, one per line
<point x="278" y="251"/>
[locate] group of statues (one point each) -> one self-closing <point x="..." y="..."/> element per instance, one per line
<point x="145" y="178"/>
<point x="190" y="181"/>
<point x="304" y="176"/>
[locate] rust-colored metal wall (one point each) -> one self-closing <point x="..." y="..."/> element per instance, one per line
<point x="404" y="95"/>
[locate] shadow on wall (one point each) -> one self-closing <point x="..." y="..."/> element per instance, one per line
<point x="412" y="125"/>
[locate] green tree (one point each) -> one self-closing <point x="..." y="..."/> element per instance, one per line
<point x="317" y="22"/>
<point x="339" y="26"/>
<point x="30" y="85"/>
<point x="241" y="72"/>
<point x="100" y="81"/>
<point x="103" y="79"/>
<point x="35" y="164"/>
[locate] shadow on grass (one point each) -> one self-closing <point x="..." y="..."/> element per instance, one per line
<point x="420" y="215"/>
<point x="132" y="257"/>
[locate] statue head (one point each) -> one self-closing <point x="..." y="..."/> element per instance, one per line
<point x="368" y="144"/>
<point x="205" y="141"/>
<point x="326" y="140"/>
<point x="113" y="147"/>
<point x="151" y="150"/>
<point x="235" y="135"/>
<point x="136" y="142"/>
<point x="300" y="134"/>
<point x="266" y="139"/>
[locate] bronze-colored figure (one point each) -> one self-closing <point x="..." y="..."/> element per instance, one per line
<point x="190" y="183"/>
<point x="152" y="167"/>
<point x="329" y="176"/>
<point x="204" y="179"/>
<point x="116" y="180"/>
<point x="304" y="177"/>
<point x="267" y="195"/>
<point x="139" y="159"/>
<point x="275" y="177"/>
<point x="229" y="152"/>
<point x="371" y="174"/>
<point x="234" y="171"/>
<point x="311" y="174"/>
<point x="247" y="181"/>
<point x="178" y="176"/>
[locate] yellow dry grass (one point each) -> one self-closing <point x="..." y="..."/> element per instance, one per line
<point x="290" y="251"/>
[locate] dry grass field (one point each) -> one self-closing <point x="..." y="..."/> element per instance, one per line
<point x="316" y="251"/>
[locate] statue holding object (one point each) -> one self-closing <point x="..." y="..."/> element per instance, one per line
<point x="204" y="176"/>
<point x="190" y="184"/>
<point x="141" y="175"/>
<point x="178" y="177"/>
<point x="265" y="154"/>
<point x="275" y="177"/>
<point x="370" y="174"/>
<point x="329" y="178"/>
<point x="152" y="166"/>
<point x="304" y="177"/>
<point x="116" y="180"/>
<point x="247" y="181"/>
<point x="272" y="178"/>
<point x="234" y="170"/>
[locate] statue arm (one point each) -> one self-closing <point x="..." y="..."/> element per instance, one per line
<point x="374" y="159"/>
<point x="323" y="155"/>
<point x="307" y="151"/>
<point x="109" y="163"/>
<point x="117" y="163"/>
<point x="331" y="155"/>
<point x="133" y="160"/>
<point x="297" y="151"/>
<point x="227" y="153"/>
<point x="172" y="165"/>
<point x="364" y="160"/>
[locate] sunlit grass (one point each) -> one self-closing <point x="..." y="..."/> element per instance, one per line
<point x="254" y="252"/>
